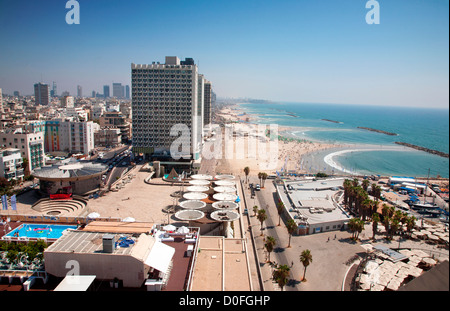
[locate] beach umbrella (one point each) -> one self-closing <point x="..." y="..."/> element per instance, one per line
<point x="169" y="228"/>
<point x="129" y="219"/>
<point x="93" y="215"/>
<point x="183" y="229"/>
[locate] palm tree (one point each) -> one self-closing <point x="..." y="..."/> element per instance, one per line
<point x="280" y="209"/>
<point x="261" y="217"/>
<point x="260" y="178"/>
<point x="291" y="227"/>
<point x="305" y="259"/>
<point x="366" y="207"/>
<point x="376" y="220"/>
<point x="365" y="184"/>
<point x="280" y="275"/>
<point x="255" y="209"/>
<point x="352" y="225"/>
<point x="356" y="226"/>
<point x="246" y="171"/>
<point x="347" y="185"/>
<point x="270" y="244"/>
<point x="393" y="227"/>
<point x="263" y="177"/>
<point x="410" y="224"/>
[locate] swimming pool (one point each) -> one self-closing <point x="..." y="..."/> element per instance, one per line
<point x="35" y="231"/>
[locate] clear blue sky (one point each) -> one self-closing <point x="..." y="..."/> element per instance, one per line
<point x="299" y="51"/>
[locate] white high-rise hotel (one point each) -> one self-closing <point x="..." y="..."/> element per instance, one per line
<point x="164" y="95"/>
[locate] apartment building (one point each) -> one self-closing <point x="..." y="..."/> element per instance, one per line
<point x="42" y="94"/>
<point x="31" y="145"/>
<point x="11" y="163"/>
<point x="164" y="95"/>
<point x="115" y="119"/>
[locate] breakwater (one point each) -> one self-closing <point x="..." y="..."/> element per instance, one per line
<point x="377" y="131"/>
<point x="332" y="121"/>
<point x="436" y="152"/>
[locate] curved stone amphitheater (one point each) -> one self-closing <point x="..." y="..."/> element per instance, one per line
<point x="75" y="207"/>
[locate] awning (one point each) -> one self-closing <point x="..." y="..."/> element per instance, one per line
<point x="75" y="283"/>
<point x="160" y="257"/>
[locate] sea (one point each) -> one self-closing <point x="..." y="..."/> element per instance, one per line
<point x="426" y="127"/>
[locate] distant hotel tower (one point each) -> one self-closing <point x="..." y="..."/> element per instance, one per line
<point x="42" y="94"/>
<point x="164" y="95"/>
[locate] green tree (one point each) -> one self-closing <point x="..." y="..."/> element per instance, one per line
<point x="270" y="244"/>
<point x="291" y="227"/>
<point x="375" y="221"/>
<point x="280" y="210"/>
<point x="356" y="226"/>
<point x="347" y="185"/>
<point x="305" y="259"/>
<point x="261" y="217"/>
<point x="281" y="275"/>
<point x="255" y="209"/>
<point x="263" y="177"/>
<point x="365" y="184"/>
<point x="246" y="171"/>
<point x="410" y="224"/>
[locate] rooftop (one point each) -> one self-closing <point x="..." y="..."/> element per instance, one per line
<point x="70" y="168"/>
<point x="92" y="242"/>
<point x="220" y="263"/>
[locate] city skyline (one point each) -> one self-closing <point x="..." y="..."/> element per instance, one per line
<point x="296" y="51"/>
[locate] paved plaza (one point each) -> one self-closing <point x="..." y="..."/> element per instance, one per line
<point x="332" y="252"/>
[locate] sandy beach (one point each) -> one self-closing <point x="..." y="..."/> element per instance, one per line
<point x="289" y="154"/>
<point x="271" y="156"/>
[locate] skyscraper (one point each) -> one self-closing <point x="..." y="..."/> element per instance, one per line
<point x="106" y="91"/>
<point x="165" y="95"/>
<point x="207" y="103"/>
<point x="53" y="91"/>
<point x="127" y="92"/>
<point x="42" y="94"/>
<point x="117" y="90"/>
<point x="1" y="101"/>
<point x="79" y="91"/>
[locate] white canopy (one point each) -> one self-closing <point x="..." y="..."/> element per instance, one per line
<point x="75" y="283"/>
<point x="93" y="215"/>
<point x="129" y="219"/>
<point x="170" y="228"/>
<point x="183" y="229"/>
<point x="160" y="257"/>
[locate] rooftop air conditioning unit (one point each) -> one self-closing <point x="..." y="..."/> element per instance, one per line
<point x="108" y="243"/>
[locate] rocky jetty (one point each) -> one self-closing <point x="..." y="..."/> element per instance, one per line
<point x="328" y="120"/>
<point x="378" y="131"/>
<point x="436" y="152"/>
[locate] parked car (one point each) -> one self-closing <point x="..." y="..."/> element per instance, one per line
<point x="257" y="187"/>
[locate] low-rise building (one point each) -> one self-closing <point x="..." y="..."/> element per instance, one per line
<point x="108" y="137"/>
<point x="31" y="145"/>
<point x="313" y="204"/>
<point x="11" y="163"/>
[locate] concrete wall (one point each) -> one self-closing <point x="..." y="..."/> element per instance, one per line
<point x="104" y="266"/>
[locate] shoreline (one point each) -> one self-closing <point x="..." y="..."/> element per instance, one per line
<point x="305" y="155"/>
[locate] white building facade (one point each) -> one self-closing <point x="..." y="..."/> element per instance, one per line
<point x="165" y="95"/>
<point x="11" y="163"/>
<point x="31" y="145"/>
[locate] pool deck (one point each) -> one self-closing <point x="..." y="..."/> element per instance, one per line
<point x="14" y="225"/>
